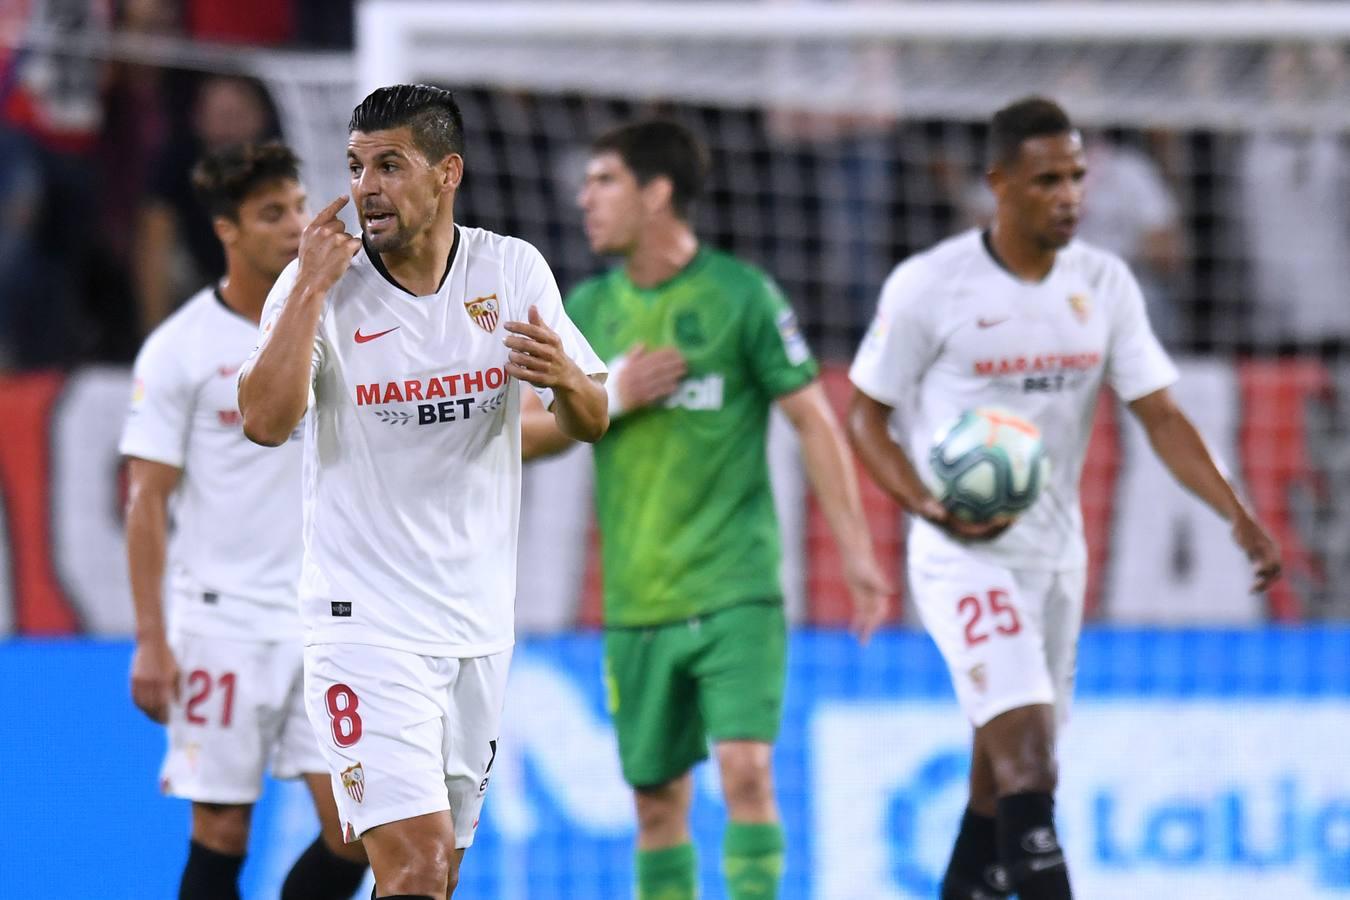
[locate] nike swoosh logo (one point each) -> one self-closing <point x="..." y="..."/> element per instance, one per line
<point x="990" y="323"/>
<point x="362" y="338"/>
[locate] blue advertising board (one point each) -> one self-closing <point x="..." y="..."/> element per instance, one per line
<point x="1204" y="764"/>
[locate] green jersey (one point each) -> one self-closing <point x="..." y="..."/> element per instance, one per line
<point x="686" y="514"/>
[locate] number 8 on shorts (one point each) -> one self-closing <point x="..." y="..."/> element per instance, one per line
<point x="346" y="724"/>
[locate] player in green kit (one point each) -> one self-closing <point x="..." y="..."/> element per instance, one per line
<point x="701" y="346"/>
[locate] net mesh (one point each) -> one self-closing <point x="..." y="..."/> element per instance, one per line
<point x="843" y="143"/>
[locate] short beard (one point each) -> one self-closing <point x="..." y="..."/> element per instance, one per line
<point x="1051" y="242"/>
<point x="389" y="242"/>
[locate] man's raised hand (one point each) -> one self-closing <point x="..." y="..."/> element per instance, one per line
<point x="537" y="354"/>
<point x="326" y="248"/>
<point x="648" y="376"/>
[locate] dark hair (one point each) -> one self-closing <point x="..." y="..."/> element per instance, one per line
<point x="658" y="148"/>
<point x="224" y="179"/>
<point x="431" y="113"/>
<point x="1031" y="117"/>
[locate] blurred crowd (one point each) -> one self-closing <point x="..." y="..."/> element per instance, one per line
<point x="100" y="235"/>
<point x="1240" y="239"/>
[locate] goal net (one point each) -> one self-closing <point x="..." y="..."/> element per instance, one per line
<point x="848" y="135"/>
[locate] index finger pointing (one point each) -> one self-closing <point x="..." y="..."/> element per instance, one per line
<point x="329" y="212"/>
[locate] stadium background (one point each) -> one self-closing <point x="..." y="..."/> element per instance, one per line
<point x="1206" y="757"/>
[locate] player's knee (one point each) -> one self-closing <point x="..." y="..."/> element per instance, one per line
<point x="1030" y="769"/>
<point x="747" y="780"/>
<point x="422" y="871"/>
<point x="656" y="812"/>
<point x="221" y="827"/>
<point x="1020" y="747"/>
<point x="418" y="863"/>
<point x="661" y="811"/>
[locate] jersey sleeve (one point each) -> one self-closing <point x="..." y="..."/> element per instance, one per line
<point x="162" y="397"/>
<point x="779" y="358"/>
<point x="901" y="342"/>
<point x="276" y="302"/>
<point x="1136" y="363"/>
<point x="535" y="286"/>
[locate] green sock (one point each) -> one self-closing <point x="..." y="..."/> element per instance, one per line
<point x="670" y="873"/>
<point x="752" y="860"/>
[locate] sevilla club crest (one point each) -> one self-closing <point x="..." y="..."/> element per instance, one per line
<point x="484" y="311"/>
<point x="354" y="782"/>
<point x="1081" y="306"/>
<point x="979" y="678"/>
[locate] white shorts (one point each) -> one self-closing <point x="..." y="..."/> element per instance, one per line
<point x="1009" y="636"/>
<point x="240" y="705"/>
<point x="405" y="735"/>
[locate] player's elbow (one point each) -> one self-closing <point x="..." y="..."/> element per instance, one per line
<point x="264" y="438"/>
<point x="267" y="431"/>
<point x="591" y="429"/>
<point x="266" y="422"/>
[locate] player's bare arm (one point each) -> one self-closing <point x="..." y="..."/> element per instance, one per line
<point x="829" y="465"/>
<point x="1178" y="444"/>
<point x="580" y="406"/>
<point x="539" y="432"/>
<point x="274" y="385"/>
<point x="890" y="467"/>
<point x="154" y="671"/>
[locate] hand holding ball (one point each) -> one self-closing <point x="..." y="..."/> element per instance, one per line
<point x="988" y="464"/>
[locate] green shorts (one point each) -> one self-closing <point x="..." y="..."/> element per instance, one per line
<point x="673" y="687"/>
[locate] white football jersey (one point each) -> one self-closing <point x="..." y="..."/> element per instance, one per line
<point x="228" y="576"/>
<point x="412" y="450"/>
<point x="955" y="330"/>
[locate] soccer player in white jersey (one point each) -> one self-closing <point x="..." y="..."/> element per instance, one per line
<point x="1024" y="317"/>
<point x="225" y="671"/>
<point x="409" y="349"/>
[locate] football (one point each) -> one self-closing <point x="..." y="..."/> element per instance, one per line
<point x="988" y="463"/>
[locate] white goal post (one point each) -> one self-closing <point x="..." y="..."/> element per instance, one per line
<point x="1168" y="64"/>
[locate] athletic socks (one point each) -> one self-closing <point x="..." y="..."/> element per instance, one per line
<point x="209" y="875"/>
<point x="670" y="873"/>
<point x="1029" y="849"/>
<point x="752" y="860"/>
<point x="974" y="872"/>
<point x="320" y="874"/>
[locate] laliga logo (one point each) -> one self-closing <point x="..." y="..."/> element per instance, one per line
<point x="1260" y="827"/>
<point x="1256" y="829"/>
